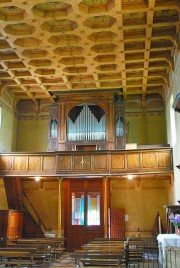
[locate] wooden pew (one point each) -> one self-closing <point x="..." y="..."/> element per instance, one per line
<point x="100" y="254"/>
<point x="16" y="257"/>
<point x="39" y="256"/>
<point x="51" y="247"/>
<point x="130" y="251"/>
<point x="105" y="259"/>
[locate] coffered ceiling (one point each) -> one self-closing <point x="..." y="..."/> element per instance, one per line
<point x="48" y="47"/>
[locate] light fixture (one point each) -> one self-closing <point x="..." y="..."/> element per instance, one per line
<point x="37" y="178"/>
<point x="130" y="177"/>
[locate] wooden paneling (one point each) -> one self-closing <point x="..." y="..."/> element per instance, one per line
<point x="102" y="46"/>
<point x="100" y="162"/>
<point x="20" y="163"/>
<point x="64" y="163"/>
<point x="11" y="224"/>
<point x="117" y="223"/>
<point x="118" y="161"/>
<point x="91" y="162"/>
<point x="34" y="163"/>
<point x="149" y="160"/>
<point x="5" y="162"/>
<point x="78" y="235"/>
<point x="14" y="189"/>
<point x="164" y="159"/>
<point x="48" y="163"/>
<point x="82" y="162"/>
<point x="15" y="225"/>
<point x="133" y="161"/>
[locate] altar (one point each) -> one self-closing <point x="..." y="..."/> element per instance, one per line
<point x="169" y="250"/>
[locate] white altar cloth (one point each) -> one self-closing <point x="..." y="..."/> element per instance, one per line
<point x="167" y="241"/>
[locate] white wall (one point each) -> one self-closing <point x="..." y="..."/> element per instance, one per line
<point x="173" y="90"/>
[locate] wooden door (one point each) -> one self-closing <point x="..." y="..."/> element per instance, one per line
<point x="117" y="223"/>
<point x="15" y="224"/>
<point x="83" y="211"/>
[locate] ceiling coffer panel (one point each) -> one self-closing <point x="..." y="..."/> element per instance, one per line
<point x="101" y="45"/>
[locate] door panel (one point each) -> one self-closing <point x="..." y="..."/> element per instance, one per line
<point x="83" y="211"/>
<point x="117" y="223"/>
<point x="93" y="232"/>
<point x="77" y="237"/>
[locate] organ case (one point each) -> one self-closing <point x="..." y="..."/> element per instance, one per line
<point x="89" y="121"/>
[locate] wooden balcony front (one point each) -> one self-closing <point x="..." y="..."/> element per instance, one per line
<point x="78" y="163"/>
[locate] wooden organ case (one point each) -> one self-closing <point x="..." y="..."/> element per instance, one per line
<point x="88" y="121"/>
<point x="119" y="124"/>
<point x="53" y="127"/>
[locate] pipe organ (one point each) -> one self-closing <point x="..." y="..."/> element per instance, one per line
<point x="88" y="121"/>
<point x="90" y="124"/>
<point x="119" y="124"/>
<point x="53" y="127"/>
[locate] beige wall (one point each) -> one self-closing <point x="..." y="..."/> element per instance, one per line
<point x="32" y="135"/>
<point x="8" y="128"/>
<point x="143" y="130"/>
<point x="44" y="199"/>
<point x="147" y="129"/>
<point x="142" y="200"/>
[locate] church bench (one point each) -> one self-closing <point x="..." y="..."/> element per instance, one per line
<point x="57" y="242"/>
<point x="131" y="251"/>
<point x="101" y="258"/>
<point x="42" y="252"/>
<point x="48" y="246"/>
<point x="111" y="250"/>
<point x="16" y="257"/>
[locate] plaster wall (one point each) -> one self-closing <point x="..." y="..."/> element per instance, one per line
<point x="147" y="129"/>
<point x="43" y="198"/>
<point x="8" y="128"/>
<point x="173" y="90"/>
<point x="32" y="135"/>
<point x="142" y="200"/>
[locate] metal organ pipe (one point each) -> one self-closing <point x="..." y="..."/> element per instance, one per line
<point x="86" y="126"/>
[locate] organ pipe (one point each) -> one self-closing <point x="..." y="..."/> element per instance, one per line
<point x="86" y="126"/>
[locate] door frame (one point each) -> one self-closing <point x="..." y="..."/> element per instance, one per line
<point x="89" y="185"/>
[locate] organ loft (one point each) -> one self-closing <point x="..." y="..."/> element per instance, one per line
<point x="88" y="122"/>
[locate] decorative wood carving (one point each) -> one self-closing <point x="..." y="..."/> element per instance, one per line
<point x="53" y="127"/>
<point x="119" y="124"/>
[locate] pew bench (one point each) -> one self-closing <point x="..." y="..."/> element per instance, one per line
<point x="17" y="258"/>
<point x="42" y="253"/>
<point x="130" y="251"/>
<point x="91" y="259"/>
<point x="103" y="246"/>
<point x="49" y="247"/>
<point x="54" y="245"/>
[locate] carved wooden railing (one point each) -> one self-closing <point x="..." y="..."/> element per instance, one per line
<point x="77" y="163"/>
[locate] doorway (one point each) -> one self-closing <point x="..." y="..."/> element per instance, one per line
<point x="84" y="208"/>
